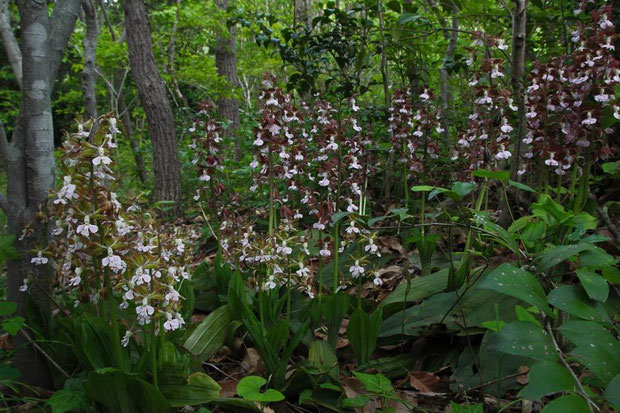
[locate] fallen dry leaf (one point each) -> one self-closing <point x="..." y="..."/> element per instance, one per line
<point x="523" y="379"/>
<point x="252" y="362"/>
<point x="229" y="388"/>
<point x="426" y="382"/>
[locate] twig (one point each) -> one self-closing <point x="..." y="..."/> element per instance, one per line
<point x="602" y="213"/>
<point x="488" y="383"/>
<point x="40" y="350"/>
<point x="213" y="366"/>
<point x="581" y="391"/>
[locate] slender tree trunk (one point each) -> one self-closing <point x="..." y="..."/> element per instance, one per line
<point x="10" y="42"/>
<point x="120" y="105"/>
<point x="29" y="159"/>
<point x="152" y="92"/>
<point x="226" y="63"/>
<point x="171" y="52"/>
<point x="519" y="20"/>
<point x="444" y="77"/>
<point x="302" y="13"/>
<point x="89" y="75"/>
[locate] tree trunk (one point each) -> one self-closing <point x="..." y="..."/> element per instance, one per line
<point x="29" y="159"/>
<point x="302" y="13"/>
<point x="121" y="108"/>
<point x="226" y="63"/>
<point x="444" y="77"/>
<point x="152" y="92"/>
<point x="171" y="53"/>
<point x="519" y="20"/>
<point x="89" y="75"/>
<point x="10" y="43"/>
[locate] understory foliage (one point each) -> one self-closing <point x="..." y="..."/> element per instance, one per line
<point x="351" y="259"/>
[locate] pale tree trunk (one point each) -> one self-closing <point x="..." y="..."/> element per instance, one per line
<point x="152" y="92"/>
<point x="10" y="42"/>
<point x="444" y="77"/>
<point x="89" y="75"/>
<point x="302" y="13"/>
<point x="226" y="63"/>
<point x="29" y="159"/>
<point x="519" y="20"/>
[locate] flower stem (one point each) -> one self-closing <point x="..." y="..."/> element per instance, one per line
<point x="154" y="356"/>
<point x="336" y="253"/>
<point x="583" y="190"/>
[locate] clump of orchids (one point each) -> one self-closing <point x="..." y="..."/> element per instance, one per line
<point x="310" y="165"/>
<point x="109" y="252"/>
<point x="571" y="101"/>
<point x="487" y="138"/>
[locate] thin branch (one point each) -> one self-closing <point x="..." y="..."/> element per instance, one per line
<point x="11" y="46"/>
<point x="47" y="356"/>
<point x="582" y="392"/>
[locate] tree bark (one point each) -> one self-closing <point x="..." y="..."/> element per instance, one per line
<point x="519" y="20"/>
<point x="444" y="77"/>
<point x="121" y="107"/>
<point x="302" y="13"/>
<point x="89" y="75"/>
<point x="11" y="46"/>
<point x="226" y="63"/>
<point x="29" y="161"/>
<point x="152" y="92"/>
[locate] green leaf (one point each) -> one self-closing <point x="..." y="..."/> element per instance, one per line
<point x="547" y="378"/>
<point x="596" y="348"/>
<point x="567" y="404"/>
<point x="321" y="355"/>
<point x="556" y="255"/>
<point x="610" y="167"/>
<point x="401" y="213"/>
<point x="510" y="280"/>
<point x="422" y="188"/>
<point x="362" y="332"/>
<point x="407" y="17"/>
<point x="375" y="383"/>
<point x="521" y="338"/>
<point x="521" y="186"/>
<point x="574" y="300"/>
<point x="249" y="389"/>
<point x="335" y="309"/>
<point x="339" y="215"/>
<point x="485" y="173"/>
<point x="503" y="236"/>
<point x="524" y="315"/>
<point x="612" y="393"/>
<point x="466" y="408"/>
<point x="357" y="401"/>
<point x="12" y="325"/>
<point x="595" y="257"/>
<point x="197" y="388"/>
<point x="8" y="373"/>
<point x="463" y="188"/>
<point x="7" y="307"/>
<point x="119" y="392"/>
<point x="419" y="289"/>
<point x="446" y="192"/>
<point x="67" y="400"/>
<point x="494" y="325"/>
<point x="595" y="285"/>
